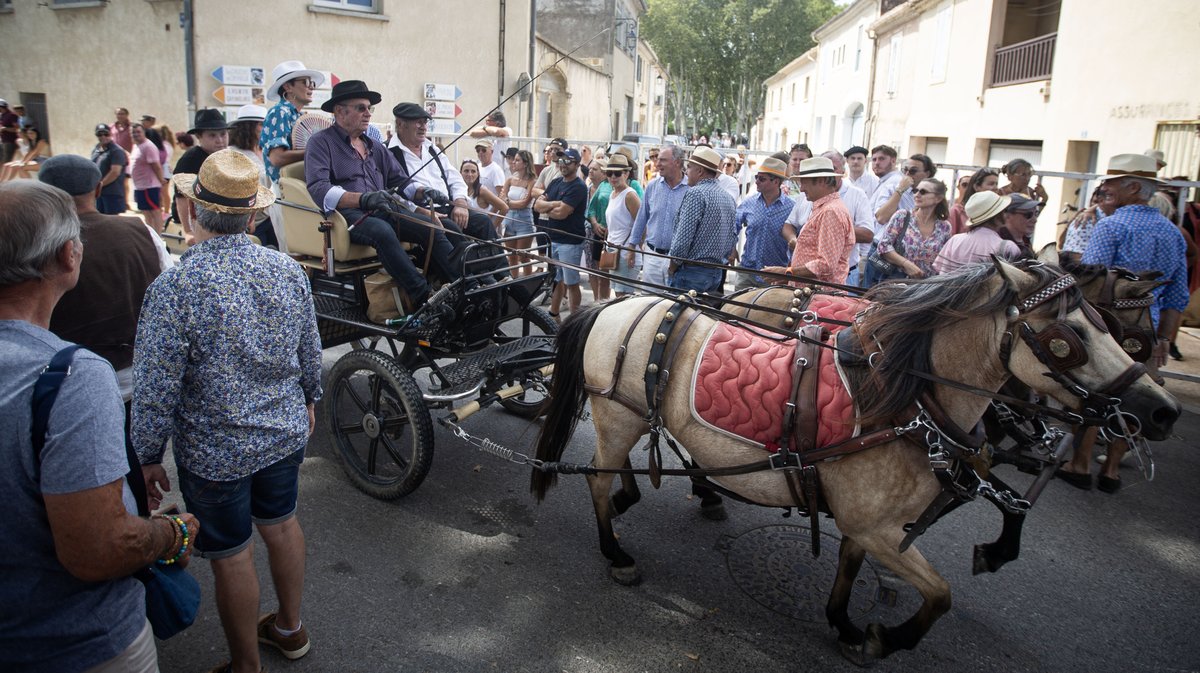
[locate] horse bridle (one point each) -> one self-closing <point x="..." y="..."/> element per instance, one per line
<point x="1059" y="348"/>
<point x="1136" y="340"/>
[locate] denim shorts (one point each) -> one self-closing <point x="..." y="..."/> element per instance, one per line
<point x="571" y="253"/>
<point x="148" y="199"/>
<point x="519" y="223"/>
<point x="227" y="510"/>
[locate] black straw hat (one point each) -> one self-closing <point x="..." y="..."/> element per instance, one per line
<point x="349" y="90"/>
<point x="209" y="119"/>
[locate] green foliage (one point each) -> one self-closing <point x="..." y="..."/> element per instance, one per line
<point x="720" y="51"/>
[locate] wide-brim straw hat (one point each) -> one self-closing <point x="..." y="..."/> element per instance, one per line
<point x="983" y="206"/>
<point x="227" y="183"/>
<point x="618" y="162"/>
<point x="1132" y="166"/>
<point x="706" y="157"/>
<point x="773" y="166"/>
<point x="251" y="113"/>
<point x="288" y="71"/>
<point x="816" y="167"/>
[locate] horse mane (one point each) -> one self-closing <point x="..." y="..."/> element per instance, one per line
<point x="903" y="320"/>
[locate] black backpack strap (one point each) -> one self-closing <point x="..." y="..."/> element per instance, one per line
<point x="45" y="391"/>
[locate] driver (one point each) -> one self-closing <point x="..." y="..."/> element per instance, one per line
<point x="347" y="171"/>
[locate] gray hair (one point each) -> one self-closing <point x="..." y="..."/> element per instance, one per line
<point x="222" y="223"/>
<point x="1146" y="188"/>
<point x="36" y="220"/>
<point x="836" y="157"/>
<point x="675" y="151"/>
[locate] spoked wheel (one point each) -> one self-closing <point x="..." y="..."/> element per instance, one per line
<point x="530" y="322"/>
<point x="382" y="433"/>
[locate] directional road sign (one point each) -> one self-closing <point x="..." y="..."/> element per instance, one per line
<point x="244" y="75"/>
<point x="441" y="91"/>
<point x="442" y="109"/>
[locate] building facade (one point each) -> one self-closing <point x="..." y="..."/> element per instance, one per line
<point x="788" y="109"/>
<point x="844" y="60"/>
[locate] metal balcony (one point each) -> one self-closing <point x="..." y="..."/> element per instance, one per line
<point x="1026" y="61"/>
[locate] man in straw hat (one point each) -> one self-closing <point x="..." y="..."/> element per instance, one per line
<point x="1137" y="237"/>
<point x="822" y="248"/>
<point x="347" y="171"/>
<point x="704" y="230"/>
<point x="762" y="215"/>
<point x="228" y="367"/>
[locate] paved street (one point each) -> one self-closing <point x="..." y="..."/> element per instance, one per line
<point x="469" y="574"/>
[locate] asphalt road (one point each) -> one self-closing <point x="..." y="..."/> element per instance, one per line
<point x="470" y="574"/>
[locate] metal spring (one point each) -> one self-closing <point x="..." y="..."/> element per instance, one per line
<point x="488" y="446"/>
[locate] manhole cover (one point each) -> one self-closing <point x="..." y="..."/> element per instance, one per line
<point x="774" y="566"/>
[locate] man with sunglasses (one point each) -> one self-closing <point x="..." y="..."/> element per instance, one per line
<point x="763" y="215"/>
<point x="111" y="160"/>
<point x="346" y="170"/>
<point x="292" y="85"/>
<point x="897" y="194"/>
<point x="491" y="175"/>
<point x="564" y="204"/>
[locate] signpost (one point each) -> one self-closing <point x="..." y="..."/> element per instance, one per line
<point x="244" y="75"/>
<point x="444" y="126"/>
<point x="239" y="95"/>
<point x="439" y="103"/>
<point x="442" y="109"/>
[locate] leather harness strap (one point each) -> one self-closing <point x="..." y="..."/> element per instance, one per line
<point x="609" y="391"/>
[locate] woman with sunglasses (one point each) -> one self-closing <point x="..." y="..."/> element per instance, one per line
<point x="912" y="239"/>
<point x="983" y="180"/>
<point x="623" y="205"/>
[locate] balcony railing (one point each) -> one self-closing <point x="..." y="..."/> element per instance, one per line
<point x="1026" y="61"/>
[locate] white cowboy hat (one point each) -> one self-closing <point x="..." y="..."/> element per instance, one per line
<point x="288" y="71"/>
<point x="251" y="113"/>
<point x="706" y="157"/>
<point x="983" y="206"/>
<point x="227" y="183"/>
<point x="1132" y="166"/>
<point x="816" y="167"/>
<point x="1159" y="157"/>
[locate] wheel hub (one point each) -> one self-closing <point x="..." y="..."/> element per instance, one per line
<point x="371" y="425"/>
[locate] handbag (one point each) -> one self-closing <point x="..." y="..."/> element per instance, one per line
<point x="883" y="268"/>
<point x="172" y="594"/>
<point x="608" y="259"/>
<point x="384" y="299"/>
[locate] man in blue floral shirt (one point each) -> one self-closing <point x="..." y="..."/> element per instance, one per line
<point x="227" y="366"/>
<point x="292" y="85"/>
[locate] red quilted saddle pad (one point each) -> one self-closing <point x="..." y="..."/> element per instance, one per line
<point x="836" y="306"/>
<point x="742" y="382"/>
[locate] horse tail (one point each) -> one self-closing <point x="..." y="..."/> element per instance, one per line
<point x="567" y="395"/>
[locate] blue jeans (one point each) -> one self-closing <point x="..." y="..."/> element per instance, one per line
<point x="227" y="509"/>
<point x="571" y="253"/>
<point x="385" y="236"/>
<point x="698" y="278"/>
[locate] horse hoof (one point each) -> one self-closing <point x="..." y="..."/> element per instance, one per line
<point x="873" y="647"/>
<point x="855" y="655"/>
<point x="714" y="512"/>
<point x="979" y="563"/>
<point x="627" y="576"/>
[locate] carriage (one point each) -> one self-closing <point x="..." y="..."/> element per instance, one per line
<point x="478" y="341"/>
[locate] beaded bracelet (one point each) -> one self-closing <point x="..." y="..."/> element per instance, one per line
<point x="177" y="521"/>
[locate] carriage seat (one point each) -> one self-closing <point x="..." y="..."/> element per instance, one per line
<point x="302" y="219"/>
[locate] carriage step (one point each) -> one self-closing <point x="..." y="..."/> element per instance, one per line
<point x="469" y="373"/>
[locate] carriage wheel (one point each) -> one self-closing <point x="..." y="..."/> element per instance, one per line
<point x="382" y="433"/>
<point x="531" y="321"/>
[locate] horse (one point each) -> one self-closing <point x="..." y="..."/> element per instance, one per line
<point x="977" y="327"/>
<point x="1120" y="296"/>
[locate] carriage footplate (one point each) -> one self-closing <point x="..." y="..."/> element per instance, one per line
<point x="502" y="363"/>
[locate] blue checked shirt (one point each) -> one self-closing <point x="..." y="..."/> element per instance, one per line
<point x="1139" y="238"/>
<point x="277" y="132"/>
<point x="656" y="218"/>
<point x="765" y="245"/>
<point x="704" y="230"/>
<point x="227" y="356"/>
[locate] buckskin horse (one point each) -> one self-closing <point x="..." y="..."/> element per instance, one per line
<point x="917" y="347"/>
<point x="1121" y="297"/>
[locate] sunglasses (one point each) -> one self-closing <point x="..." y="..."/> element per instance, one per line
<point x="764" y="178"/>
<point x="923" y="192"/>
<point x="614" y="174"/>
<point x="361" y="108"/>
<point x="912" y="169"/>
<point x="304" y="82"/>
<point x="103" y="135"/>
<point x="564" y="161"/>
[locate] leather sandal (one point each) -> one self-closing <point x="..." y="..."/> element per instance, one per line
<point x="1108" y="484"/>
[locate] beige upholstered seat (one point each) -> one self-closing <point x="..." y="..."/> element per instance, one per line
<point x="302" y="219"/>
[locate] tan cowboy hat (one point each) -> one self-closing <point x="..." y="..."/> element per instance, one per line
<point x="816" y="167"/>
<point x="227" y="183"/>
<point x="1132" y="166"/>
<point x="983" y="206"/>
<point x="773" y="166"/>
<point x="618" y="162"/>
<point x="706" y="157"/>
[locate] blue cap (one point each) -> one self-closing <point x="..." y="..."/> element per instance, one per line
<point x="571" y="155"/>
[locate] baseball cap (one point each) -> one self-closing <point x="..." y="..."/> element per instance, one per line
<point x="483" y="142"/>
<point x="103" y="128"/>
<point x="3" y="103"/>
<point x="571" y="156"/>
<point x="559" y="142"/>
<point x="1023" y="204"/>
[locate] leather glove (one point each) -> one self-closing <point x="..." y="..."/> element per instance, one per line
<point x="437" y="198"/>
<point x="380" y="200"/>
